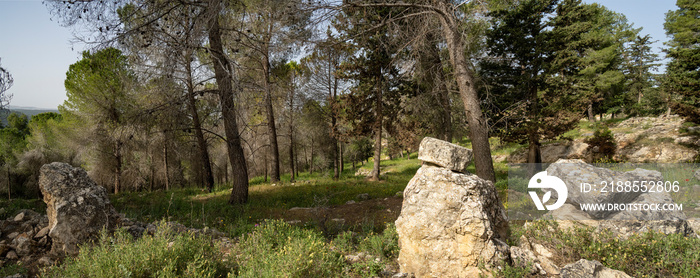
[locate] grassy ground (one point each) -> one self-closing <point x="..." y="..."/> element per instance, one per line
<point x="266" y="245"/>
<point x="196" y="208"/>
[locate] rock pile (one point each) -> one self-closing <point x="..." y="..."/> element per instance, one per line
<point x="77" y="211"/>
<point x="450" y="220"/>
<point x="24" y="238"/>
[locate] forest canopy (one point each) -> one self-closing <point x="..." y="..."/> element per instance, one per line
<point x="215" y="92"/>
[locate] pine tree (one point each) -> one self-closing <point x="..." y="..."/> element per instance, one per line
<point x="682" y="73"/>
<point x="638" y="64"/>
<point x="374" y="96"/>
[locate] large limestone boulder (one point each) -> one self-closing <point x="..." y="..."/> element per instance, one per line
<point x="574" y="172"/>
<point x="449" y="223"/>
<point x="444" y="154"/>
<point x="622" y="223"/>
<point x="78" y="208"/>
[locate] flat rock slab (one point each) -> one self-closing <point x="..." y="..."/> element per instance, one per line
<point x="444" y="154"/>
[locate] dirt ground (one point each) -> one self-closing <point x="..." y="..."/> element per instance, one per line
<point x="376" y="212"/>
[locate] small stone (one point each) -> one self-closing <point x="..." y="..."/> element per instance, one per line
<point x="151" y="229"/>
<point x="19" y="217"/>
<point x="523" y="257"/>
<point x="352" y="259"/>
<point x="539" y="249"/>
<point x="548" y="266"/>
<point x="45" y="261"/>
<point x="362" y="197"/>
<point x="23" y="244"/>
<point x="399" y="194"/>
<point x="43" y="232"/>
<point x="43" y="241"/>
<point x="11" y="255"/>
<point x="12" y="235"/>
<point x="350" y="202"/>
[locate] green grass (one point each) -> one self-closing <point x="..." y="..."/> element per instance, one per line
<point x="12" y="269"/>
<point x="276" y="249"/>
<point x="166" y="254"/>
<point x="271" y="249"/>
<point x="196" y="208"/>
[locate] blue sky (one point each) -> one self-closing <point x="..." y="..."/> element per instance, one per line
<point x="37" y="51"/>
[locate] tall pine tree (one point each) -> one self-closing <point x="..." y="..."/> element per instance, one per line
<point x="682" y="73"/>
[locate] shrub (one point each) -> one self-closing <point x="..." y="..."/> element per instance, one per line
<point x="649" y="254"/>
<point x="277" y="249"/>
<point x="602" y="145"/>
<point x="165" y="254"/>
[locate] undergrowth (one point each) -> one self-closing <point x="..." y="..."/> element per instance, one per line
<point x="166" y="254"/>
<point x="650" y="254"/>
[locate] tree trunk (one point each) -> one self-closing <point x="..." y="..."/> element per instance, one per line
<point x="271" y="128"/>
<point x="9" y="183"/>
<point x="199" y="135"/>
<point x="291" y="133"/>
<point x="332" y="95"/>
<point x="379" y="116"/>
<point x="591" y="116"/>
<point x="267" y="166"/>
<point x="311" y="165"/>
<point x="165" y="161"/>
<point x="342" y="160"/>
<point x="223" y="75"/>
<point x="117" y="167"/>
<point x="336" y="159"/>
<point x="226" y="171"/>
<point x="478" y="129"/>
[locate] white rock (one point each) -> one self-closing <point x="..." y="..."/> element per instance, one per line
<point x="19" y="217"/>
<point x="449" y="223"/>
<point x="444" y="154"/>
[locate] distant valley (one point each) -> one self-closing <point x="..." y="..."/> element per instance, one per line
<point x="29" y="111"/>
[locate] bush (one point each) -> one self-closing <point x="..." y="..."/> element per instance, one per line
<point x="650" y="254"/>
<point x="277" y="249"/>
<point x="165" y="254"/>
<point x="602" y="145"/>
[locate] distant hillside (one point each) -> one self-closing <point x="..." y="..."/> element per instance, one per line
<point x="29" y="111"/>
